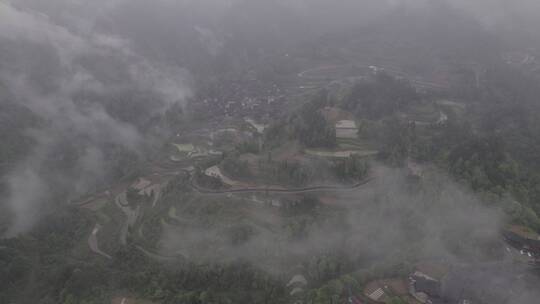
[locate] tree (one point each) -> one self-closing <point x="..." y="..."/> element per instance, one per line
<point x="351" y="168"/>
<point x="382" y="96"/>
<point x="312" y="129"/>
<point x="134" y="198"/>
<point x="397" y="138"/>
<point x="235" y="167"/>
<point x="396" y="300"/>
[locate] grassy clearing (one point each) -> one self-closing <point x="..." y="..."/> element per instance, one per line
<point x="346" y="147"/>
<point x="341" y="154"/>
<point x="184" y="148"/>
<point x="426" y="113"/>
<point x="354" y="144"/>
<point x="346" y="133"/>
<point x="452" y="104"/>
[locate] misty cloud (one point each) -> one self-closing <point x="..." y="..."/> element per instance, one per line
<point x="93" y="89"/>
<point x="46" y="66"/>
<point x="57" y="56"/>
<point x="390" y="219"/>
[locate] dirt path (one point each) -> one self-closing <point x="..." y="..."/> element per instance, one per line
<point x="157" y="195"/>
<point x="156" y="256"/>
<point x="131" y="216"/>
<point x="93" y="242"/>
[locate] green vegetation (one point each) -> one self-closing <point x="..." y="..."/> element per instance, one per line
<point x="135" y="199"/>
<point x="184" y="148"/>
<point x="396" y="300"/>
<point x="312" y="129"/>
<point x="396" y="140"/>
<point x="437" y="149"/>
<point x="384" y="96"/>
<point x="351" y="168"/>
<point x="286" y="172"/>
<point x="206" y="181"/>
<point x="306" y="125"/>
<point x="248" y="146"/>
<point x="236" y="168"/>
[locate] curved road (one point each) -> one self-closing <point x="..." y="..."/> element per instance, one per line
<point x="278" y="190"/>
<point x="418" y="81"/>
<point x="93" y="242"/>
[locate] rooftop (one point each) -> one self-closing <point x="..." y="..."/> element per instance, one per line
<point x="346" y="124"/>
<point x="298" y="280"/>
<point x="374" y="291"/>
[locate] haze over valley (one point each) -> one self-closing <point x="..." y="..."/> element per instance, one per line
<point x="269" y="151"/>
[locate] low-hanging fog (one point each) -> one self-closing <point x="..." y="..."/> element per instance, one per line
<point x="390" y="219"/>
<point x="69" y="62"/>
<point x="70" y="82"/>
<point x="85" y="87"/>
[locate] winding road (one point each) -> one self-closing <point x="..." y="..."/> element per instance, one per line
<point x="279" y="190"/>
<point x="93" y="242"/>
<point x="417" y="81"/>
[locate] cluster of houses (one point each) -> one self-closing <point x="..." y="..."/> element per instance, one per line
<point x="524" y="240"/>
<point x="460" y="285"/>
<point x="381" y="291"/>
<point x="436" y="284"/>
<point x="424" y="288"/>
<point x="296" y="287"/>
<point x="418" y="287"/>
<point x="237" y="99"/>
<point x="528" y="59"/>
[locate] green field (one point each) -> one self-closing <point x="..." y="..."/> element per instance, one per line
<point x="184" y="148"/>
